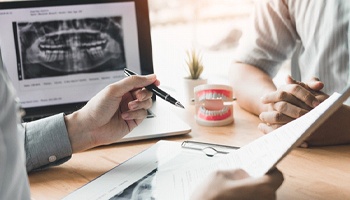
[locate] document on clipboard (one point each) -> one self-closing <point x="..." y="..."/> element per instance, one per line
<point x="256" y="158"/>
<point x="169" y="170"/>
<point x="136" y="177"/>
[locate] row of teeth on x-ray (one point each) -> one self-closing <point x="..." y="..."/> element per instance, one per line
<point x="214" y="112"/>
<point x="56" y="55"/>
<point x="64" y="47"/>
<point x="213" y="95"/>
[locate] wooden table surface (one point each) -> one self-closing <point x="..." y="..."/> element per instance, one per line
<point x="314" y="173"/>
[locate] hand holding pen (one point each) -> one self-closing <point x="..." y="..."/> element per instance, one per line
<point x="157" y="91"/>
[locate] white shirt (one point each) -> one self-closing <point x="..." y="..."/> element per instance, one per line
<point x="320" y="27"/>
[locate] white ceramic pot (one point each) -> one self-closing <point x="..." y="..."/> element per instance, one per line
<point x="188" y="88"/>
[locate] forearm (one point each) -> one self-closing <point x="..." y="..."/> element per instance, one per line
<point x="249" y="84"/>
<point x="335" y="131"/>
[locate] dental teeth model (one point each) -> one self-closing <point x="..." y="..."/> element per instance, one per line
<point x="213" y="104"/>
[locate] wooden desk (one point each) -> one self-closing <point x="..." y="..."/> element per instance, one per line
<point x="321" y="173"/>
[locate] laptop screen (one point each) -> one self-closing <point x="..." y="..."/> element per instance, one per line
<point x="61" y="53"/>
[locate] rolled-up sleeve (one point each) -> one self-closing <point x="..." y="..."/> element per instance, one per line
<point x="270" y="39"/>
<point x="47" y="142"/>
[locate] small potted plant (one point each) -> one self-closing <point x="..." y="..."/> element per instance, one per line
<point x="194" y="66"/>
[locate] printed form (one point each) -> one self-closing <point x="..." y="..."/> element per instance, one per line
<point x="256" y="158"/>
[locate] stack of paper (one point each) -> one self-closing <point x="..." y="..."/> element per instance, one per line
<point x="256" y="158"/>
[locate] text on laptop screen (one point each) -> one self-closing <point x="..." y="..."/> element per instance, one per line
<point x="68" y="53"/>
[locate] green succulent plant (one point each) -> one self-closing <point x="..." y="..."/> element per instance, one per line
<point x="194" y="64"/>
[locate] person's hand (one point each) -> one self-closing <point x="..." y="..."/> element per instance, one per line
<point x="289" y="102"/>
<point x="237" y="184"/>
<point x="111" y="114"/>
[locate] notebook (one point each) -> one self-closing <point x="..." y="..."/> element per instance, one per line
<point x="60" y="53"/>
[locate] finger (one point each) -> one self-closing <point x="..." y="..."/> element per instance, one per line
<point x="142" y="94"/>
<point x="265" y="128"/>
<point x="289" y="109"/>
<point x="290" y="80"/>
<point x="134" y="114"/>
<point x="300" y="93"/>
<point x="233" y="174"/>
<point x="315" y="84"/>
<point x="130" y="83"/>
<point x="274" y="178"/>
<point x="274" y="117"/>
<point x="281" y="95"/>
<point x="136" y="104"/>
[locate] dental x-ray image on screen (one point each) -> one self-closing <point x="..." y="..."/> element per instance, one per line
<point x="63" y="47"/>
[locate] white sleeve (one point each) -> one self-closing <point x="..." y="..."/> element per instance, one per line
<point x="270" y="38"/>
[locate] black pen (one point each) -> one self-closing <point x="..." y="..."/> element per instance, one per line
<point x="156" y="90"/>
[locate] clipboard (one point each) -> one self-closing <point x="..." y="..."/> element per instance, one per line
<point x="180" y="168"/>
<point x="209" y="149"/>
<point x="134" y="177"/>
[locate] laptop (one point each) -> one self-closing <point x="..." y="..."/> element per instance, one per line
<point x="60" y="53"/>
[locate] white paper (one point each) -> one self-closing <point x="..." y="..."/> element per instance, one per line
<point x="167" y="171"/>
<point x="256" y="158"/>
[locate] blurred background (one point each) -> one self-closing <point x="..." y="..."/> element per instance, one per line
<point x="211" y="26"/>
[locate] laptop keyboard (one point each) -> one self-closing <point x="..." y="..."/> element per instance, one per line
<point x="150" y="114"/>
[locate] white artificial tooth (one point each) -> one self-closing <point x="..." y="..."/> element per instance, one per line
<point x="211" y="95"/>
<point x="207" y="112"/>
<point x="202" y="97"/>
<point x="202" y="110"/>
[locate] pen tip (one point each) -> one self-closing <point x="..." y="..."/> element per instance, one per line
<point x="178" y="104"/>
